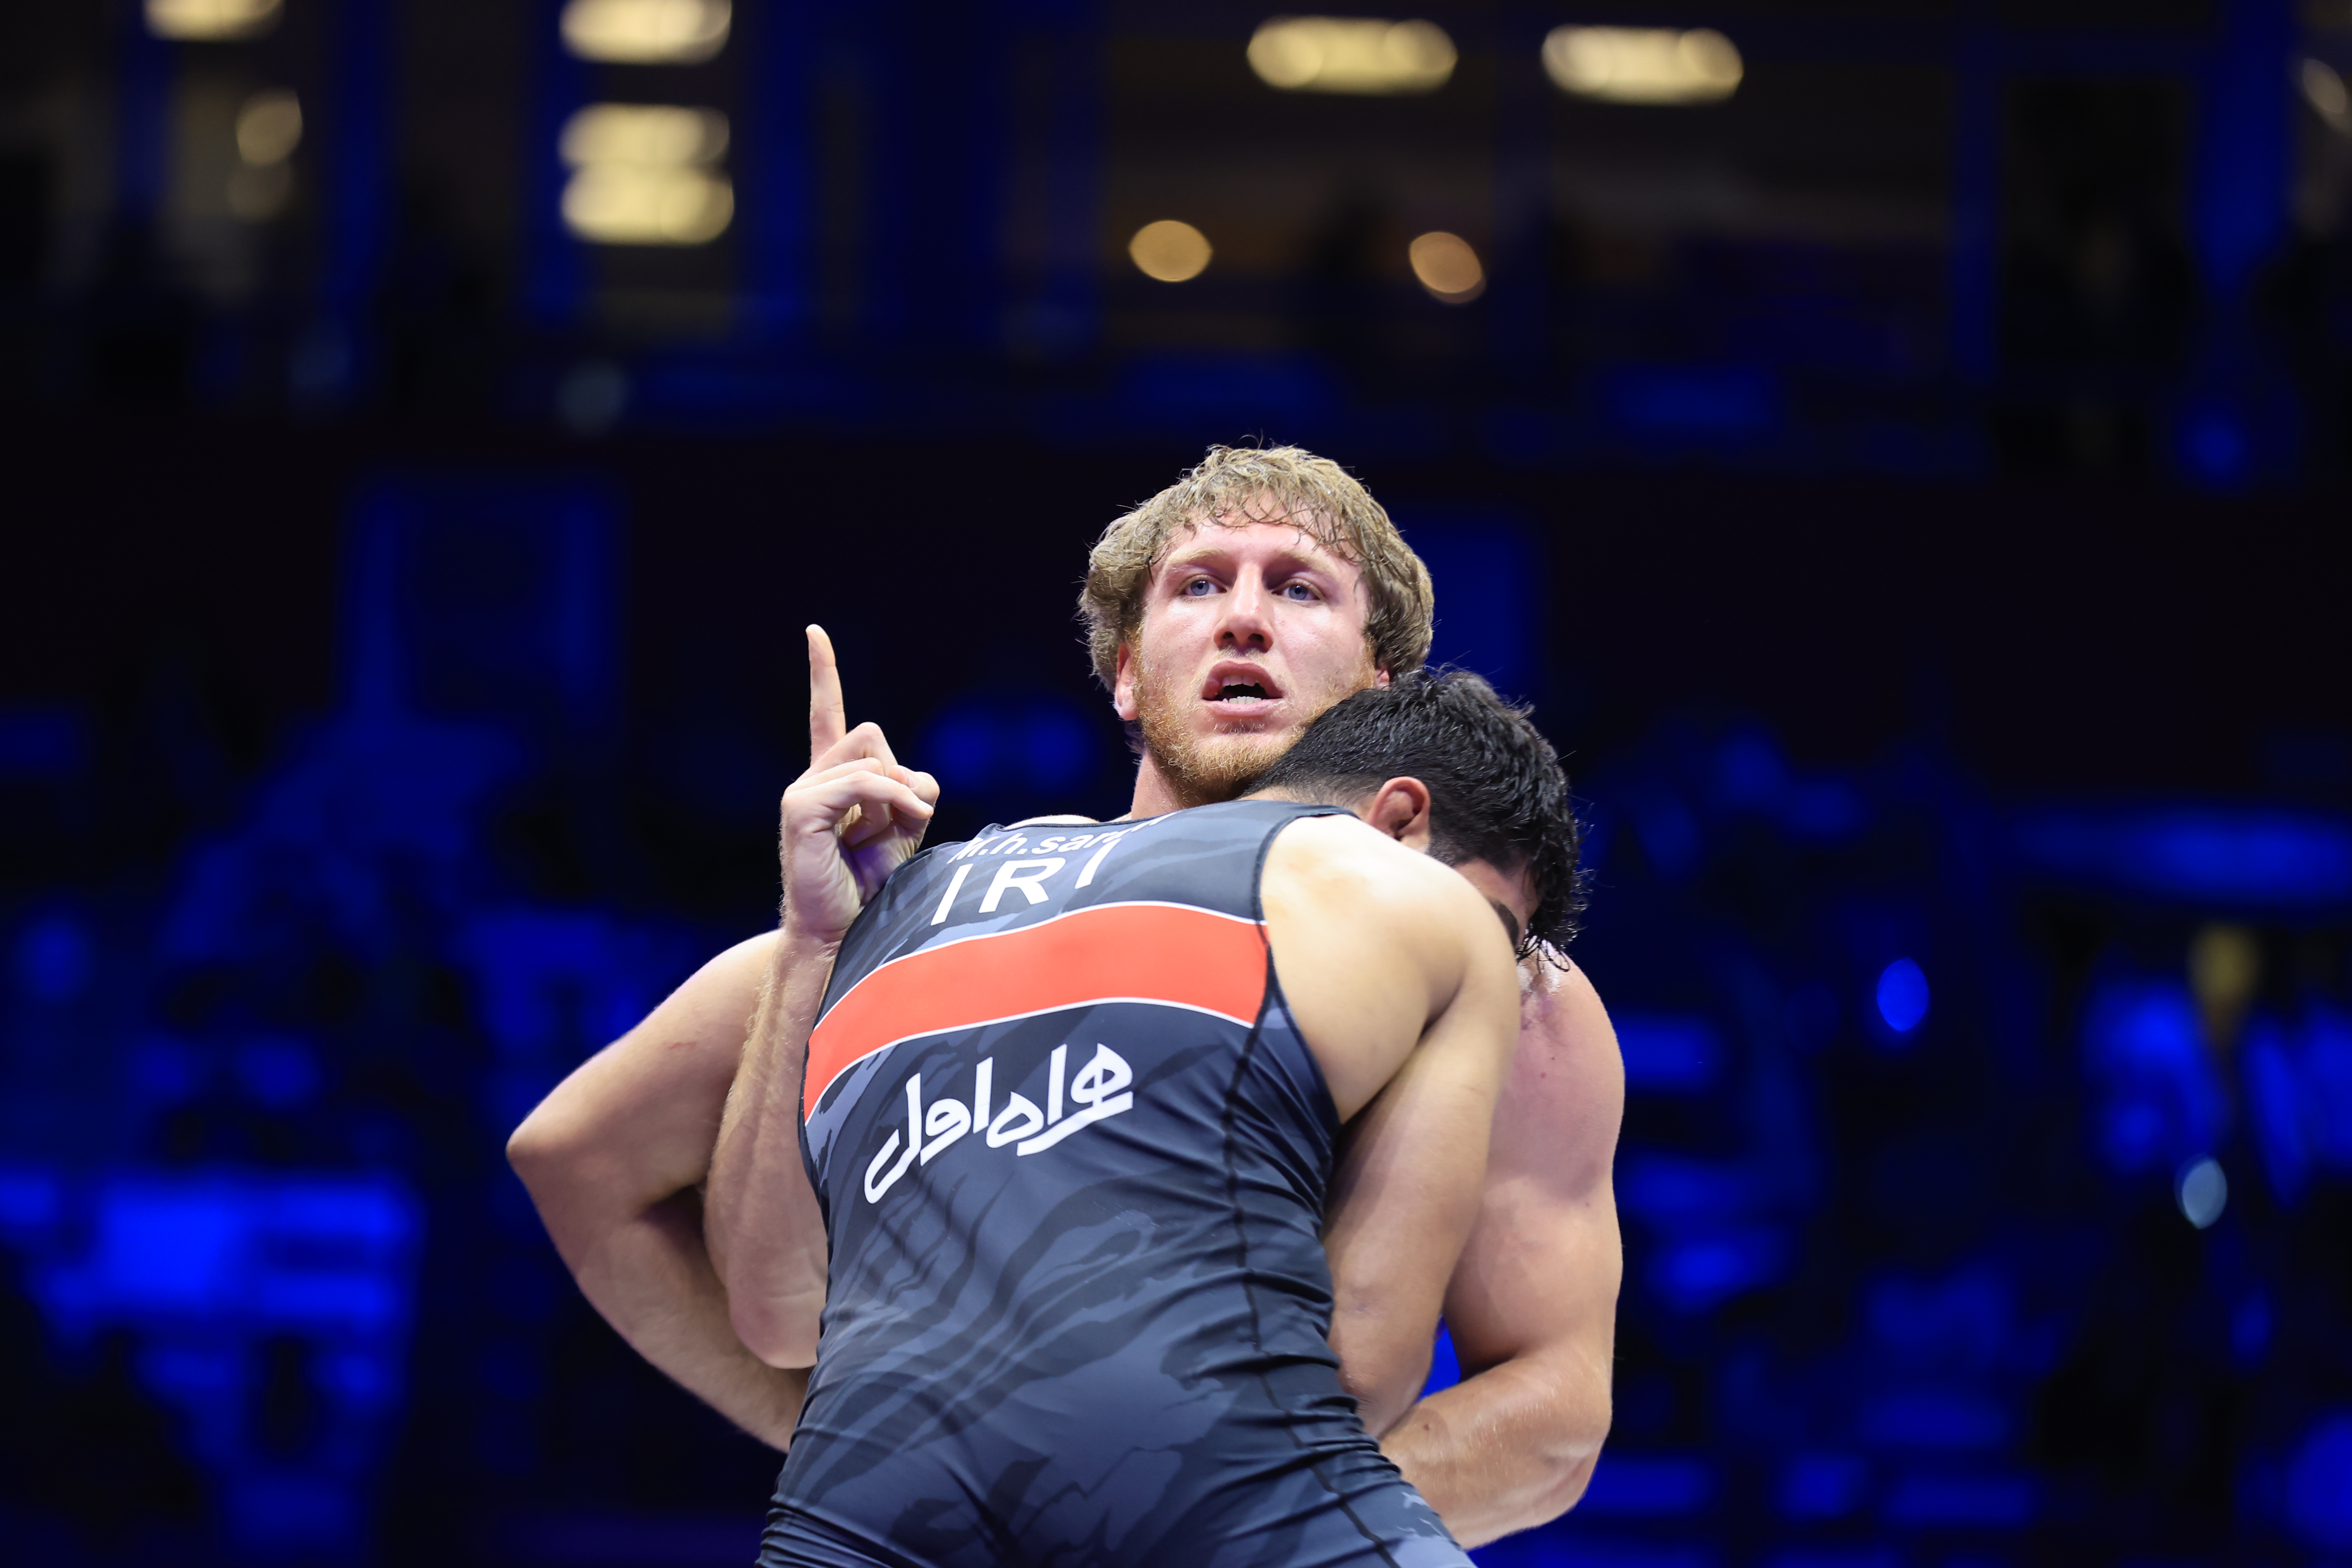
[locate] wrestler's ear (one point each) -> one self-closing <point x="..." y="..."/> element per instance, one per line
<point x="1400" y="808"/>
<point x="1122" y="686"/>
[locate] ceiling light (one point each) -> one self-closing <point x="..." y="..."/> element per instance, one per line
<point x="645" y="32"/>
<point x="2324" y="90"/>
<point x="1351" y="54"/>
<point x="653" y="135"/>
<point x="1642" y="65"/>
<point x="642" y="175"/>
<point x="1447" y="266"/>
<point x="191" y="20"/>
<point x="270" y="126"/>
<point x="648" y="207"/>
<point x="1169" y="250"/>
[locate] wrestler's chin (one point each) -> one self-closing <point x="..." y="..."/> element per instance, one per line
<point x="1207" y="752"/>
<point x="1233" y="756"/>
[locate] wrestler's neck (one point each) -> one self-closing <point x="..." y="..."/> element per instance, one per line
<point x="1154" y="797"/>
<point x="1157" y="791"/>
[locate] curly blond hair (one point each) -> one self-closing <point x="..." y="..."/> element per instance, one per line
<point x="1234" y="485"/>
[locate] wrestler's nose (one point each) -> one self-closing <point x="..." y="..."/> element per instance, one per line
<point x="1245" y="625"/>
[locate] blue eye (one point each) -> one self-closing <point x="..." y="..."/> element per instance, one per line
<point x="1298" y="590"/>
<point x="1197" y="586"/>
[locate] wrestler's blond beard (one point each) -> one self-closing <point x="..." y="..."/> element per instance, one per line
<point x="1200" y="771"/>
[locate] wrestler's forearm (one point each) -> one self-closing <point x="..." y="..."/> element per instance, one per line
<point x="765" y="1232"/>
<point x="651" y="1278"/>
<point x="1505" y="1451"/>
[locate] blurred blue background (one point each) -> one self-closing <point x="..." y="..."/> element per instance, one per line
<point x="1902" y="448"/>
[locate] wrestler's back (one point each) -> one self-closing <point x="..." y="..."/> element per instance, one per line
<point x="1073" y="1158"/>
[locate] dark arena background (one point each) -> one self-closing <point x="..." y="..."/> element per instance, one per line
<point x="1902" y="450"/>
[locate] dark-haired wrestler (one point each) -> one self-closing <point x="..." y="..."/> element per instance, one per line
<point x="1072" y="1110"/>
<point x="1225" y="614"/>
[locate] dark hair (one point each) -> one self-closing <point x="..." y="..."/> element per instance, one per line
<point x="1497" y="791"/>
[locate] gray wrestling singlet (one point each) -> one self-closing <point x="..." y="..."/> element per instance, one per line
<point x="1072" y="1158"/>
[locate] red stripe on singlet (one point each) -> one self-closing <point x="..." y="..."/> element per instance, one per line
<point x="1120" y="952"/>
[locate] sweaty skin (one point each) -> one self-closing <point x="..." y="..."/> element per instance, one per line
<point x="616" y="1154"/>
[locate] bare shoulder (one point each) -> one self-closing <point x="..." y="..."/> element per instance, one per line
<point x="1340" y="863"/>
<point x="729" y="967"/>
<point x="722" y="993"/>
<point x="1559" y="1121"/>
<point x="678" y="1060"/>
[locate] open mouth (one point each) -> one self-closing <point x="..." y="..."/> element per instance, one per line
<point x="1235" y="681"/>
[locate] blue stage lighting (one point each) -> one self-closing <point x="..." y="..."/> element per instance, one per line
<point x="1965" y="1501"/>
<point x="1652" y="1485"/>
<point x="2260" y="857"/>
<point x="55" y="958"/>
<point x="1902" y="996"/>
<point x="1695" y="402"/>
<point x="280" y="1074"/>
<point x="43" y="743"/>
<point x="1823" y="1486"/>
<point x="2319" y="1485"/>
<point x="2214" y="446"/>
<point x="1700" y="1272"/>
<point x="2250" y="1322"/>
<point x="960" y="749"/>
<point x="1669" y="1054"/>
<point x="1042" y="750"/>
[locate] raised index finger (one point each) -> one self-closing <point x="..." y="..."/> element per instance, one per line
<point x="827" y="720"/>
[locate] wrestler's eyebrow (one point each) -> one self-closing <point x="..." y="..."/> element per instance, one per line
<point x="1510" y="921"/>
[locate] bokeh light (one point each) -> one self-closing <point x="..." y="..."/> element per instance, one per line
<point x="646" y="32"/>
<point x="1642" y="65"/>
<point x="1902" y="996"/>
<point x="1351" y="54"/>
<point x="1169" y="250"/>
<point x="642" y="175"/>
<point x="270" y="126"/>
<point x="642" y="135"/>
<point x="2203" y="1192"/>
<point x="2324" y="90"/>
<point x="1447" y="266"/>
<point x="211" y="20"/>
<point x="648" y="207"/>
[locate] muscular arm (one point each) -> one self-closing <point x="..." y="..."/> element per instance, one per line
<point x="612" y="1158"/>
<point x="1403" y="987"/>
<point x="1532" y="1303"/>
<point x="764" y="1226"/>
<point x="616" y="1157"/>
